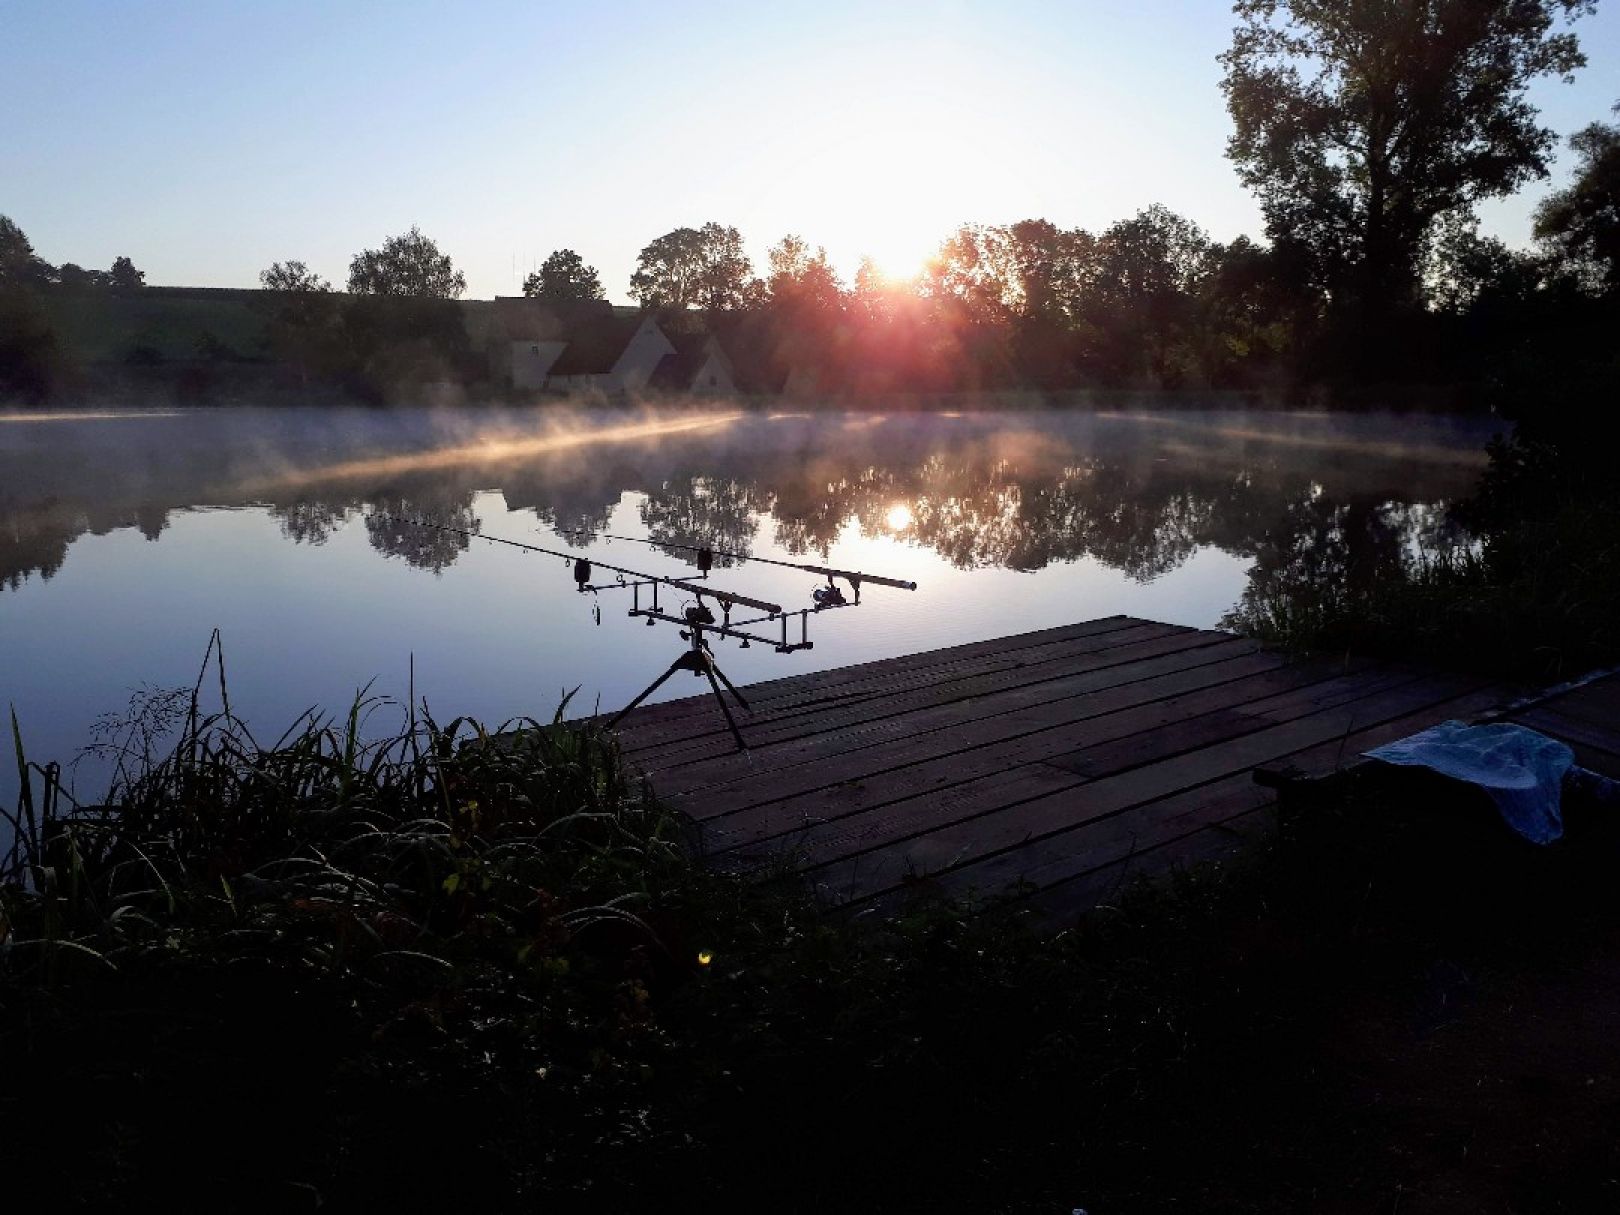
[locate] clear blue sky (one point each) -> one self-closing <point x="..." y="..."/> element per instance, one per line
<point x="206" y="140"/>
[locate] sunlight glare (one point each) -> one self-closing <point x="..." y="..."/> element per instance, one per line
<point x="898" y="518"/>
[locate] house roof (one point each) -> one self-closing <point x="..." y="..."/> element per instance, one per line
<point x="595" y="344"/>
<point x="677" y="371"/>
<point x="521" y="319"/>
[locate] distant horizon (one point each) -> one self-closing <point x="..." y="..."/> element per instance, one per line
<point x="205" y="145"/>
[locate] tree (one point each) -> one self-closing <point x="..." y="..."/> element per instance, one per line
<point x="408" y="265"/>
<point x="124" y="276"/>
<point x="1358" y="124"/>
<point x="1582" y="221"/>
<point x="564" y="277"/>
<point x="292" y="277"/>
<point x="75" y="277"/>
<point x="19" y="265"/>
<point x="302" y="329"/>
<point x="1145" y="274"/>
<point x="693" y="268"/>
<point x="801" y="281"/>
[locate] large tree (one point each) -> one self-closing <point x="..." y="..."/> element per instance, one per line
<point x="1582" y="221"/>
<point x="124" y="276"/>
<point x="409" y="265"/>
<point x="564" y="277"/>
<point x="292" y="277"/>
<point x="20" y="266"/>
<point x="802" y="281"/>
<point x="1358" y="123"/>
<point x="693" y="268"/>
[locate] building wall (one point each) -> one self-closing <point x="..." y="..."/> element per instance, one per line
<point x="640" y="358"/>
<point x="713" y="377"/>
<point x="531" y="361"/>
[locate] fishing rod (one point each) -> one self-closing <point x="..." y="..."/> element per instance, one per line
<point x="697" y="620"/>
<point x="706" y="555"/>
<point x="583" y="569"/>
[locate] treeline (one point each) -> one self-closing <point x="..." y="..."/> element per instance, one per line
<point x="1369" y="134"/>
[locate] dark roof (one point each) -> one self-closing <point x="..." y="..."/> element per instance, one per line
<point x="520" y="319"/>
<point x="595" y="345"/>
<point x="675" y="372"/>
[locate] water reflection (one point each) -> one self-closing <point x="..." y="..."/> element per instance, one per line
<point x="1317" y="504"/>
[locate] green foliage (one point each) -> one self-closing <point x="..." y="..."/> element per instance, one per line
<point x="693" y="268"/>
<point x="406" y="265"/>
<point x="124" y="276"/>
<point x="1535" y="594"/>
<point x="1358" y="125"/>
<point x="564" y="278"/>
<point x="1582" y="221"/>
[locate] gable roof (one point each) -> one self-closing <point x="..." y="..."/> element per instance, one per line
<point x="595" y="345"/>
<point x="677" y="371"/>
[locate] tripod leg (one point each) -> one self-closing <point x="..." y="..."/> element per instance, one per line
<point x="730" y="687"/>
<point x="677" y="665"/>
<point x="709" y="669"/>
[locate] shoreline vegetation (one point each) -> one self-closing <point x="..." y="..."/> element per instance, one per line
<point x="363" y="967"/>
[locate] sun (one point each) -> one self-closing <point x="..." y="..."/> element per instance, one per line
<point x="898" y="517"/>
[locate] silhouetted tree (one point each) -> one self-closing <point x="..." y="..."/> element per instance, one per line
<point x="409" y="265"/>
<point x="1582" y="221"/>
<point x="1359" y="124"/>
<point x="124" y="276"/>
<point x="1145" y="274"/>
<point x="74" y="277"/>
<point x="292" y="277"/>
<point x="19" y="265"/>
<point x="564" y="277"/>
<point x="693" y="268"/>
<point x="303" y="316"/>
<point x="801" y="281"/>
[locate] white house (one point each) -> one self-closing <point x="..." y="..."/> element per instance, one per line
<point x="610" y="354"/>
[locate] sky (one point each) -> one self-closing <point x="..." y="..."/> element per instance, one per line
<point x="206" y="139"/>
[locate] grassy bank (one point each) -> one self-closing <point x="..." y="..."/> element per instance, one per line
<point x="434" y="970"/>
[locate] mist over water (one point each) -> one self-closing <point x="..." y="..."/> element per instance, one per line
<point x="127" y="537"/>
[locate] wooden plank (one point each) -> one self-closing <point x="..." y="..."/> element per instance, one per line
<point x="941" y="692"/>
<point x="1596" y="703"/>
<point x="768" y="690"/>
<point x="636" y="740"/>
<point x="845" y="820"/>
<point x="977" y="747"/>
<point x="1574" y="731"/>
<point x="943" y="729"/>
<point x="879" y="851"/>
<point x="1070" y="854"/>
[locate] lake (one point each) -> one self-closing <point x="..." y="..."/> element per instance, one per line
<point x="126" y="538"/>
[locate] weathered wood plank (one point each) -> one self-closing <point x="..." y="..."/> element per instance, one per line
<point x="997" y="649"/>
<point x="919" y="734"/>
<point x="902" y="839"/>
<point x="637" y="740"/>
<point x="1576" y="732"/>
<point x="1067" y="855"/>
<point x="938" y="692"/>
<point x="841" y="821"/>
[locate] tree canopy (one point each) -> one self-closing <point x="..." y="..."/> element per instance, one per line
<point x="1582" y="221"/>
<point x="124" y="276"/>
<point x="1359" y="124"/>
<point x="407" y="265"/>
<point x="20" y="266"/>
<point x="693" y="268"/>
<point x="292" y="276"/>
<point x="564" y="277"/>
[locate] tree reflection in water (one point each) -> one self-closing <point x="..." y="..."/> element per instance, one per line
<point x="1321" y="506"/>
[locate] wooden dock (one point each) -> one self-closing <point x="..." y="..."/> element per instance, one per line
<point x="1068" y="759"/>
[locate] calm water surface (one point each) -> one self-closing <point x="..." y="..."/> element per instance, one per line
<point x="125" y="539"/>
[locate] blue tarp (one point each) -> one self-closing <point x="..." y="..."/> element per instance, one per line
<point x="1521" y="770"/>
